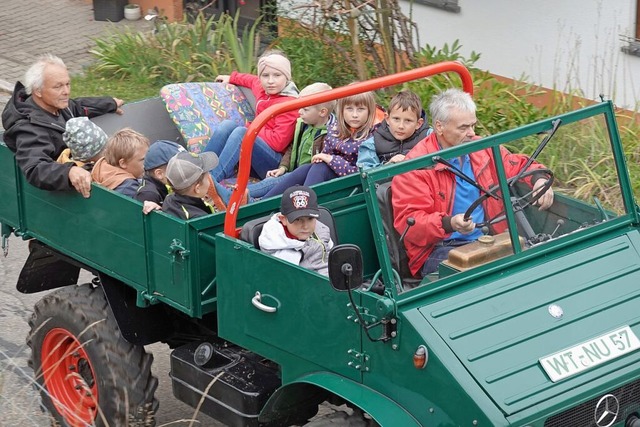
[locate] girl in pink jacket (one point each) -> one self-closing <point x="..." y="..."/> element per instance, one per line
<point x="271" y="86"/>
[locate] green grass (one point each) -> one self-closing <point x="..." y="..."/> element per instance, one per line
<point x="127" y="89"/>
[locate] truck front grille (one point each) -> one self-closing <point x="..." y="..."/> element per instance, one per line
<point x="586" y="414"/>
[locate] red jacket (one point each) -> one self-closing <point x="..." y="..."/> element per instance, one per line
<point x="278" y="131"/>
<point x="428" y="195"/>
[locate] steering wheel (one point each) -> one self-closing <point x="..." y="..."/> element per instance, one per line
<point x="517" y="202"/>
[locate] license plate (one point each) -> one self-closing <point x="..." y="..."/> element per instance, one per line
<point x="591" y="353"/>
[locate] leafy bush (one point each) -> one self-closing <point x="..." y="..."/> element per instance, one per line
<point x="313" y="60"/>
<point x="178" y="52"/>
<point x="501" y="105"/>
<point x="126" y="54"/>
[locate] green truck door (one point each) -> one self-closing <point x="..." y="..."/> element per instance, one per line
<point x="297" y="319"/>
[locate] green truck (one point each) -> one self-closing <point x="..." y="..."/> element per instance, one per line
<point x="535" y="326"/>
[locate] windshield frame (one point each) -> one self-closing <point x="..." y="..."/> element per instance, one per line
<point x="370" y="178"/>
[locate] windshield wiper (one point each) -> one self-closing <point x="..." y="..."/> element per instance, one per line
<point x="556" y="124"/>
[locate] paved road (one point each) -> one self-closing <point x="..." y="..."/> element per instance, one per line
<point x="29" y="28"/>
<point x="19" y="402"/>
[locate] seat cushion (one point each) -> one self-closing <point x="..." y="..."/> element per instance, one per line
<point x="197" y="108"/>
<point x="397" y="253"/>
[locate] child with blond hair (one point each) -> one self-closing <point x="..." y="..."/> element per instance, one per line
<point x="122" y="166"/>
<point x="355" y="123"/>
<point x="311" y="129"/>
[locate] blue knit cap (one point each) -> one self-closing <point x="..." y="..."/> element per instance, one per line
<point x="160" y="152"/>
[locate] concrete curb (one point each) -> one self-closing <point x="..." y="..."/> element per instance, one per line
<point x="5" y="86"/>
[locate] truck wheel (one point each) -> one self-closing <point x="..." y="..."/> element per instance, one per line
<point x="331" y="415"/>
<point x="89" y="375"/>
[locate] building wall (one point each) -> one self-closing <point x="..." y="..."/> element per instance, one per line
<point x="562" y="45"/>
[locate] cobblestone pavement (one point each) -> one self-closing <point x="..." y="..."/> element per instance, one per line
<point x="29" y="28"/>
<point x="4" y="97"/>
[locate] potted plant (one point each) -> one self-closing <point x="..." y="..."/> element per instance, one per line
<point x="132" y="11"/>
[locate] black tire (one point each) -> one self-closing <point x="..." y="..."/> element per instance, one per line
<point x="92" y="375"/>
<point x="344" y="415"/>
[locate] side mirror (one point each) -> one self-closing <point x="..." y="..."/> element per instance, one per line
<point x="345" y="267"/>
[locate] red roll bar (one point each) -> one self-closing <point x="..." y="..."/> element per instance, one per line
<point x="244" y="167"/>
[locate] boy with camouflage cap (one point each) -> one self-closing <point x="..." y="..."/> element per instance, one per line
<point x="85" y="141"/>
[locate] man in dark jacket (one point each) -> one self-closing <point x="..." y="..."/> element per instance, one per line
<point x="35" y="119"/>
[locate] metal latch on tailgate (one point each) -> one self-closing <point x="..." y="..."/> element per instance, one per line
<point x="179" y="263"/>
<point x="176" y="248"/>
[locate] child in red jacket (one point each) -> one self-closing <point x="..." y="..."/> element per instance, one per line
<point x="271" y="86"/>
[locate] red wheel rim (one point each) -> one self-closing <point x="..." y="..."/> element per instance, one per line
<point x="69" y="377"/>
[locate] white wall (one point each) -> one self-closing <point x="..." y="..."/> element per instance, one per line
<point x="558" y="44"/>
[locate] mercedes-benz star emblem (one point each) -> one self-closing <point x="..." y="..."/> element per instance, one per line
<point x="607" y="410"/>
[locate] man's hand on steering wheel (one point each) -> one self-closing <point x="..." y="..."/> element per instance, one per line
<point x="541" y="189"/>
<point x="459" y="224"/>
<point x="546" y="199"/>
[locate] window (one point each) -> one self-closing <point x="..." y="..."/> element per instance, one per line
<point x="631" y="43"/>
<point x="637" y="19"/>
<point x="448" y="5"/>
<point x="248" y="12"/>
